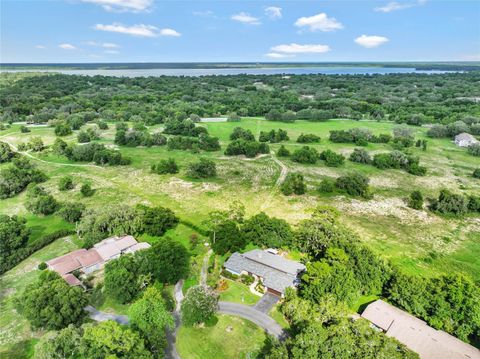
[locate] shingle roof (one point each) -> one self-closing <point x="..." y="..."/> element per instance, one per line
<point x="428" y="342"/>
<point x="67" y="265"/>
<point x="277" y="273"/>
<point x="66" y="256"/>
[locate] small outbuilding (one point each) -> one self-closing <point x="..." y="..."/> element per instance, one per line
<point x="465" y="140"/>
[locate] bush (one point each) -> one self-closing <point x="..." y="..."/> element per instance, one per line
<point x="204" y="168"/>
<point x="474" y="149"/>
<point x="449" y="202"/>
<point x="305" y="154"/>
<point x="225" y="273"/>
<point x="6" y="153"/>
<point x="199" y="305"/>
<point x="63" y="129"/>
<point x="359" y="155"/>
<point x="42" y="266"/>
<point x="247" y="148"/>
<point x="86" y="190"/>
<point x="355" y="184"/>
<point x="66" y="183"/>
<point x="283" y="152"/>
<point x="168" y="166"/>
<point x="476" y="173"/>
<point x="71" y="212"/>
<point x="293" y="184"/>
<point x="308" y="138"/>
<point x="332" y="159"/>
<point x="233" y="117"/>
<point x="416" y="200"/>
<point x="24" y="129"/>
<point x="39" y="201"/>
<point x="15" y="178"/>
<point x="240" y="133"/>
<point x="247" y="279"/>
<point x="327" y="185"/>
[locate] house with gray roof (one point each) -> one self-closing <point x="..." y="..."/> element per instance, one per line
<point x="275" y="272"/>
<point x="465" y="140"/>
<point x="428" y="342"/>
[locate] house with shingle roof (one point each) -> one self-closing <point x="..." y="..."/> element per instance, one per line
<point x="275" y="272"/>
<point x="416" y="335"/>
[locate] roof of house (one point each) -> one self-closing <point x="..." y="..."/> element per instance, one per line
<point x="124" y="242"/>
<point x="71" y="279"/>
<point x="277" y="273"/>
<point x="108" y="250"/>
<point x="137" y="247"/>
<point x="275" y="261"/>
<point x="67" y="265"/>
<point x="464" y="136"/>
<point x="90" y="258"/>
<point x="428" y="342"/>
<point x="66" y="256"/>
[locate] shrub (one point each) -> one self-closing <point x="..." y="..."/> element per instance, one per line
<point x="6" y="153"/>
<point x="102" y="125"/>
<point x="359" y="155"/>
<point x="327" y="185"/>
<point x="247" y="148"/>
<point x="474" y="203"/>
<point x="476" y="173"/>
<point x="247" y="279"/>
<point x="39" y="201"/>
<point x="449" y="202"/>
<point x="233" y="117"/>
<point x="42" y="266"/>
<point x="63" y="129"/>
<point x="293" y="184"/>
<point x="72" y="212"/>
<point x="66" y="183"/>
<point x="204" y="168"/>
<point x="86" y="190"/>
<point x="24" y="129"/>
<point x="355" y="184"/>
<point x="308" y="138"/>
<point x="332" y="159"/>
<point x="283" y="152"/>
<point x="165" y="166"/>
<point x="240" y="133"/>
<point x="416" y="200"/>
<point x="17" y="176"/>
<point x="305" y="154"/>
<point x="474" y="149"/>
<point x="83" y="137"/>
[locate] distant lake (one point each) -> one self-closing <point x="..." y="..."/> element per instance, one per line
<point x="328" y="70"/>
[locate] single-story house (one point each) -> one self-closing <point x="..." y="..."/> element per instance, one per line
<point x="465" y="139"/>
<point x="428" y="342"/>
<point x="89" y="261"/>
<point x="275" y="272"/>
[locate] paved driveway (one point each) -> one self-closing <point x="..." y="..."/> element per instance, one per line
<point x="266" y="303"/>
<point x="253" y="315"/>
<point x="99" y="316"/>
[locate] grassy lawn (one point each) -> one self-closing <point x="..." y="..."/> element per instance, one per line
<point x="231" y="337"/>
<point x="15" y="333"/>
<point x="275" y="314"/>
<point x="238" y="293"/>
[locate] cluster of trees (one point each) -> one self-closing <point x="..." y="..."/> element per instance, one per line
<point x="294" y="183"/>
<point x="353" y="183"/>
<point x="273" y="136"/>
<point x="454" y="203"/>
<point x="195" y="144"/>
<point x="90" y="152"/>
<point x="90" y="134"/>
<point x="230" y="231"/>
<point x="469" y="124"/>
<point x="358" y="135"/>
<point x="324" y="331"/>
<point x="183" y="128"/>
<point x="308" y="138"/>
<point x="18" y="175"/>
<point x="97" y="224"/>
<point x="137" y="136"/>
<point x="248" y="148"/>
<point x="399" y="160"/>
<point x="310" y="155"/>
<point x="165" y="166"/>
<point x="440" y="98"/>
<point x="343" y="269"/>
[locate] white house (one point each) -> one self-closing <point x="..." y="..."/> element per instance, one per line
<point x="465" y="140"/>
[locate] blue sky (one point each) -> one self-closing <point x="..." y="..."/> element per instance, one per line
<point x="193" y="31"/>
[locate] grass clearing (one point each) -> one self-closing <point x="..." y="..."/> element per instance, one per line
<point x="230" y="338"/>
<point x="238" y="293"/>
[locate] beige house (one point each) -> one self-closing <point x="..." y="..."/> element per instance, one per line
<point x="428" y="342"/>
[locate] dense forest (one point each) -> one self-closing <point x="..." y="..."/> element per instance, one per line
<point x="415" y="99"/>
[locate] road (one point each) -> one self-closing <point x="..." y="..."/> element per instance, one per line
<point x="171" y="349"/>
<point x="253" y="315"/>
<point x="99" y="316"/>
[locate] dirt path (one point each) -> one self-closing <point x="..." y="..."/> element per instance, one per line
<point x="28" y="154"/>
<point x="283" y="172"/>
<point x="203" y="273"/>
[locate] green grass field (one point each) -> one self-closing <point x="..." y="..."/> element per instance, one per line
<point x="230" y="338"/>
<point x="238" y="293"/>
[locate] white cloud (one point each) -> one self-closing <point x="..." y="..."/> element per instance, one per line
<point x="67" y="47"/>
<point x="113" y="52"/>
<point x="106" y="45"/>
<point x="123" y="5"/>
<point x="206" y="13"/>
<point x="40" y="47"/>
<point x="276" y="55"/>
<point x="300" y="49"/>
<point x="246" y="18"/>
<point x="169" y="32"/>
<point x="273" y="12"/>
<point x="139" y="30"/>
<point x="394" y="6"/>
<point x="371" y="41"/>
<point x="319" y="22"/>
